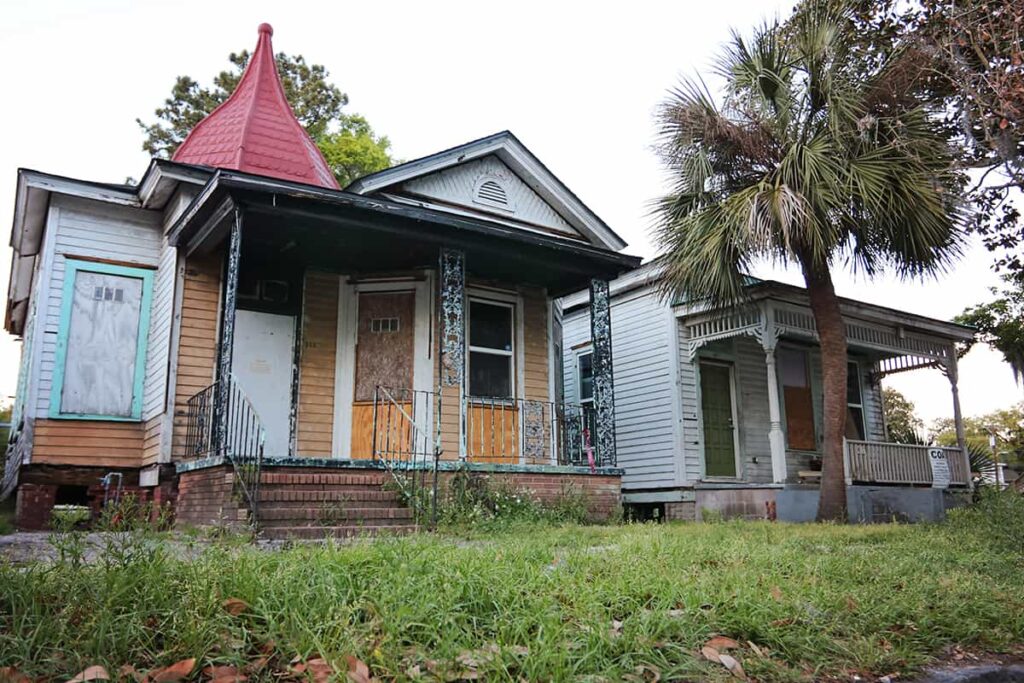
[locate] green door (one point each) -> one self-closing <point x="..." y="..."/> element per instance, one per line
<point x="716" y="406"/>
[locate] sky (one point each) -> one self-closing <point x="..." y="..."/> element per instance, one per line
<point x="577" y="82"/>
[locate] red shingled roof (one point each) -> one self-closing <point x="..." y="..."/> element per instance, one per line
<point x="255" y="129"/>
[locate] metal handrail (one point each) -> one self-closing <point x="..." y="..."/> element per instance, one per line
<point x="239" y="438"/>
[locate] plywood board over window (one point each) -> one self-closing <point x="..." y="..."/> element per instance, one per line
<point x="101" y="342"/>
<point x="795" y="377"/>
<point x="317" y="365"/>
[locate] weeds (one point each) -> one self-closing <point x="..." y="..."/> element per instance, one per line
<point x="542" y="602"/>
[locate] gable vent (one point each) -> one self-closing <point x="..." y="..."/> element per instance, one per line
<point x="491" y="192"/>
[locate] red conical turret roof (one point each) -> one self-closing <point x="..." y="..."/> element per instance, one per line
<point x="255" y="130"/>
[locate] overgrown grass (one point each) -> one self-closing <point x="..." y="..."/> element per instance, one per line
<point x="558" y="602"/>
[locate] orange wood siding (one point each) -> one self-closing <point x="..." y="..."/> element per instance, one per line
<point x="535" y="366"/>
<point x="315" y="428"/>
<point x="197" y="342"/>
<point x="151" y="433"/>
<point x="87" y="443"/>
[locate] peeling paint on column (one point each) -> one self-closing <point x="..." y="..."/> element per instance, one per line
<point x="452" y="277"/>
<point x="453" y="326"/>
<point x="227" y="331"/>
<point x="604" y="398"/>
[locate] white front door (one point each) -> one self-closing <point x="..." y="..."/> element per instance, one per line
<point x="261" y="360"/>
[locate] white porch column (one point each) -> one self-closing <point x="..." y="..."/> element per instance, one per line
<point x="953" y="374"/>
<point x="776" y="439"/>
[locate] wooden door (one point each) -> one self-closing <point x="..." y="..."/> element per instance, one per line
<point x="384" y="356"/>
<point x="719" y="428"/>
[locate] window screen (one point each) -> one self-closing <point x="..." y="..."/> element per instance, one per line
<point x="100" y="338"/>
<point x="490" y="350"/>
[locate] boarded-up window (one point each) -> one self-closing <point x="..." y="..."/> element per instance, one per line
<point x="101" y="342"/>
<point x="796" y="392"/>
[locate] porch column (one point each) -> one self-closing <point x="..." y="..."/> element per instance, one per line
<point x="953" y="374"/>
<point x="776" y="438"/>
<point x="604" y="396"/>
<point x="452" y="356"/>
<point x="225" y="346"/>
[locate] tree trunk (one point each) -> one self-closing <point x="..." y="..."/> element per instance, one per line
<point x="832" y="337"/>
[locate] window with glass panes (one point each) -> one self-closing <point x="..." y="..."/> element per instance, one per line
<point x="491" y="349"/>
<point x="854" y="403"/>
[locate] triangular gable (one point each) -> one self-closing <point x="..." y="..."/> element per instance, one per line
<point x="496" y="177"/>
<point x="487" y="186"/>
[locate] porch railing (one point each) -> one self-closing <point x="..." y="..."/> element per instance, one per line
<point x="406" y="439"/>
<point x="893" y="463"/>
<point x="240" y="440"/>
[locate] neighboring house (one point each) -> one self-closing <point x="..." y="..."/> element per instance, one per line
<point x="237" y="310"/>
<point x="720" y="409"/>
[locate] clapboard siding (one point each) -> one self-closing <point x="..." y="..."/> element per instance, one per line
<point x="197" y="338"/>
<point x="159" y="344"/>
<point x="456" y="186"/>
<point x="87" y="443"/>
<point x="316" y="365"/>
<point x="79" y="228"/>
<point x="693" y="446"/>
<point x="754" y="421"/>
<point x="645" y="411"/>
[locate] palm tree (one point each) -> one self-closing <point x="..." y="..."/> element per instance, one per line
<point x="820" y="153"/>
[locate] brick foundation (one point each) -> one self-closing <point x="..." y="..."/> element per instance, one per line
<point x="38" y="489"/>
<point x="205" y="497"/>
<point x="681" y="512"/>
<point x="600" y="492"/>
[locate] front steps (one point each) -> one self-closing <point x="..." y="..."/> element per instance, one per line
<point x="315" y="505"/>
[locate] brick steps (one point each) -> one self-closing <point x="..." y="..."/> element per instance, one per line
<point x="345" y="531"/>
<point x="316" y="505"/>
<point x="271" y="515"/>
<point x="369" y="496"/>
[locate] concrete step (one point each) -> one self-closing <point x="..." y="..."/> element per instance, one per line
<point x="274" y="513"/>
<point x="345" y="531"/>
<point x="287" y="495"/>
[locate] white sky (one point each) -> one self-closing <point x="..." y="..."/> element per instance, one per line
<point x="577" y="82"/>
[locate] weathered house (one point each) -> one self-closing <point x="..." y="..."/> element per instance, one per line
<point x="720" y="409"/>
<point x="237" y="334"/>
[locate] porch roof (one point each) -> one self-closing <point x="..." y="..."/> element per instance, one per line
<point x="342" y="231"/>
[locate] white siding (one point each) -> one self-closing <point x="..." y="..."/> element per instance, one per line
<point x="83" y="228"/>
<point x="158" y="346"/>
<point x="754" y="421"/>
<point x="693" y="447"/>
<point x="456" y="185"/>
<point x="645" y="411"/>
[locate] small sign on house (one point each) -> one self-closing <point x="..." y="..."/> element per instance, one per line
<point x="939" y="461"/>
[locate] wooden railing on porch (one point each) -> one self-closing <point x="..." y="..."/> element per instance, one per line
<point x="893" y="463"/>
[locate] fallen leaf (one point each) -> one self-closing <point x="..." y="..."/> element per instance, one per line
<point x="236" y="678"/>
<point x="734" y="667"/>
<point x="257" y="664"/>
<point x="755" y="648"/>
<point x="320" y="670"/>
<point x="9" y="674"/>
<point x="219" y="671"/>
<point x="414" y="672"/>
<point x="174" y="672"/>
<point x="616" y="630"/>
<point x="358" y="672"/>
<point x="519" y="650"/>
<point x="711" y="654"/>
<point x="648" y="673"/>
<point x="776" y="593"/>
<point x="93" y="673"/>
<point x="788" y="621"/>
<point x="234" y="606"/>
<point x="676" y="613"/>
<point x="851" y="604"/>
<point x="722" y="643"/>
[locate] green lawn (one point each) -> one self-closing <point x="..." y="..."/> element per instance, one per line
<point x="538" y="602"/>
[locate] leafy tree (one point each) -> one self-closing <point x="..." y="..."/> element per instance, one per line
<point x="818" y="154"/>
<point x="970" y="56"/>
<point x="349" y="144"/>
<point x="1008" y="425"/>
<point x="1000" y="322"/>
<point x="902" y="425"/>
